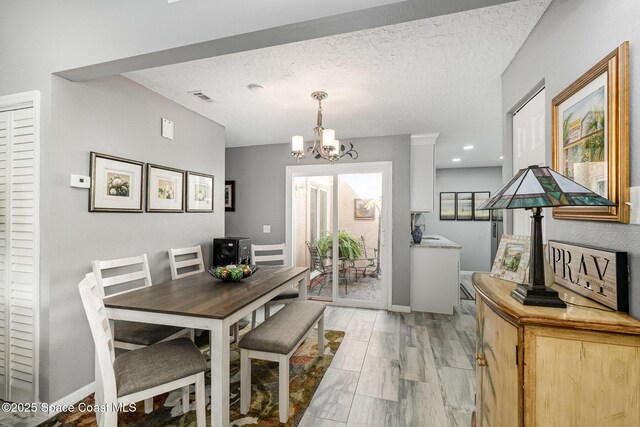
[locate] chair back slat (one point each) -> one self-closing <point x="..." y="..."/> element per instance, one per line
<point x="316" y="259"/>
<point x="272" y="258"/>
<point x="197" y="261"/>
<point x="363" y="247"/>
<point x="91" y="296"/>
<point x="141" y="263"/>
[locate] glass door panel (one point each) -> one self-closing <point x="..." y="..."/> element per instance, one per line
<point x="312" y="231"/>
<point x="360" y="242"/>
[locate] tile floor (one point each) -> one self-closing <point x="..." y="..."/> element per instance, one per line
<point x="393" y="369"/>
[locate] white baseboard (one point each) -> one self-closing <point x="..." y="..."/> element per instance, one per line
<point x="70" y="399"/>
<point x="400" y="308"/>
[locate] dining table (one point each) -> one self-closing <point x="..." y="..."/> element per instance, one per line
<point x="200" y="301"/>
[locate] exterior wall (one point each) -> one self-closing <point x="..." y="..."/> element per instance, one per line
<point x="555" y="53"/>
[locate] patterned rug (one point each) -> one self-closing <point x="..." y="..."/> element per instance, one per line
<point x="306" y="372"/>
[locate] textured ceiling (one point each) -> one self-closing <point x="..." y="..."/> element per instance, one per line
<point x="435" y="75"/>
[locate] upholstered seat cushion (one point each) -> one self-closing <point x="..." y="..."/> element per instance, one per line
<point x="157" y="364"/>
<point x="281" y="332"/>
<point x="142" y="333"/>
<point x="288" y="294"/>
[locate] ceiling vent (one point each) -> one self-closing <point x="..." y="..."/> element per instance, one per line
<point x="202" y="96"/>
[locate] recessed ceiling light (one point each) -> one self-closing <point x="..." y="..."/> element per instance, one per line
<point x="468" y="147"/>
<point x="254" y="87"/>
<point x="501" y="157"/>
<point x="456" y="159"/>
<point x="201" y="95"/>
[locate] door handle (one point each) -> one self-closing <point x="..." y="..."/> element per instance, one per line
<point x="494" y="229"/>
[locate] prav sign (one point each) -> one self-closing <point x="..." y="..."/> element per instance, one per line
<point x="598" y="274"/>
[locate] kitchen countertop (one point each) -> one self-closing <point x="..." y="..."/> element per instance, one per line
<point x="437" y="242"/>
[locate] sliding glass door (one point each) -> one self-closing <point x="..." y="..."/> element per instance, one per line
<point x="336" y="225"/>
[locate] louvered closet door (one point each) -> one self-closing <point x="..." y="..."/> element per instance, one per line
<point x="18" y="260"/>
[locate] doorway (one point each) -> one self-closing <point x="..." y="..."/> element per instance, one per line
<point x="337" y="225"/>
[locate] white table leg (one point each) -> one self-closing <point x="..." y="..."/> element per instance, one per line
<point x="219" y="373"/>
<point x="302" y="287"/>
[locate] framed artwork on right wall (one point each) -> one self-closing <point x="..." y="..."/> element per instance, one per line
<point x="464" y="206"/>
<point x="448" y="206"/>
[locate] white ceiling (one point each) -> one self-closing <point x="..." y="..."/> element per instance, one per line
<point x="439" y="74"/>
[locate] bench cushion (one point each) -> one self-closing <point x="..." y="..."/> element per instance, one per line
<point x="157" y="364"/>
<point x="281" y="332"/>
<point x="142" y="333"/>
<point x="288" y="294"/>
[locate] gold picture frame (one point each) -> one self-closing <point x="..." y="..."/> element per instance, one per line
<point x="576" y="142"/>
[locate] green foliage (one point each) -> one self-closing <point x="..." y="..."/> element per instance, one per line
<point x="348" y="246"/>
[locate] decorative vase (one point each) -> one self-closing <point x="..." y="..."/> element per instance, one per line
<point x="416" y="234"/>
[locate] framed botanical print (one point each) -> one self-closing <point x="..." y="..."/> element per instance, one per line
<point x="230" y="196"/>
<point x="478" y="199"/>
<point x="199" y="192"/>
<point x="512" y="258"/>
<point x="116" y="184"/>
<point x="464" y="206"/>
<point x="165" y="189"/>
<point x="447" y="206"/>
<point x="591" y="136"/>
<point x="363" y="209"/>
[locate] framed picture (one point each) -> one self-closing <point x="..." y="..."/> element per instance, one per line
<point x="116" y="184"/>
<point x="199" y="192"/>
<point x="165" y="189"/>
<point x="512" y="258"/>
<point x="230" y="196"/>
<point x="591" y="136"/>
<point x="464" y="206"/>
<point x="447" y="206"/>
<point x="497" y="214"/>
<point x="363" y="209"/>
<point x="478" y="199"/>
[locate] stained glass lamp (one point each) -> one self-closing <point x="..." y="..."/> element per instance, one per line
<point x="534" y="188"/>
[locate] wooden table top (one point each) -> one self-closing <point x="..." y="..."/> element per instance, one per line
<point x="580" y="313"/>
<point x="202" y="295"/>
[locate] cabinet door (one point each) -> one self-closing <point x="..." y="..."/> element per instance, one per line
<point x="422" y="177"/>
<point x="497" y="394"/>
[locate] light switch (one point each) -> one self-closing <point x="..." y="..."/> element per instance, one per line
<point x="266" y="229"/>
<point x="167" y="129"/>
<point x="80" y="181"/>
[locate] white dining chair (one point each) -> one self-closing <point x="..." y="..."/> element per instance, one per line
<point x="185" y="262"/>
<point x="191" y="260"/>
<point x="133" y="335"/>
<point x="275" y="256"/>
<point x="143" y="373"/>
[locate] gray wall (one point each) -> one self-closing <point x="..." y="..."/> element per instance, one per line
<point x="116" y="116"/>
<point x="474" y="236"/>
<point x="259" y="172"/>
<point x="569" y="39"/>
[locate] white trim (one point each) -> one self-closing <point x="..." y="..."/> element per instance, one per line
<point x="70" y="399"/>
<point x="400" y="308"/>
<point x="384" y="167"/>
<point x="424" y="138"/>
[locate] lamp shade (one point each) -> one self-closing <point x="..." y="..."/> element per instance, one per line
<point x="297" y="143"/>
<point x="541" y="187"/>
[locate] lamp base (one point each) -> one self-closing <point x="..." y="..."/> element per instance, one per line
<point x="540" y="297"/>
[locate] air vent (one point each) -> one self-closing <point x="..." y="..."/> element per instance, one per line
<point x="202" y="96"/>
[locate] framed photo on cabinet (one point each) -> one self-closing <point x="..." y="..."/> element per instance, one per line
<point x="464" y="206"/>
<point x="448" y="206"/>
<point x="165" y="189"/>
<point x="116" y="184"/>
<point x="512" y="258"/>
<point x="199" y="192"/>
<point x="590" y="128"/>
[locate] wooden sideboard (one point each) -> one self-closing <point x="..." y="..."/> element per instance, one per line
<point x="539" y="366"/>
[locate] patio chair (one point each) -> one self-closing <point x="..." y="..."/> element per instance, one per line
<point x="318" y="263"/>
<point x="364" y="262"/>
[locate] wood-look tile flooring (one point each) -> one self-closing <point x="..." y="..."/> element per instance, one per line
<point x="393" y="369"/>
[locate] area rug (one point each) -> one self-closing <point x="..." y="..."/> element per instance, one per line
<point x="306" y="372"/>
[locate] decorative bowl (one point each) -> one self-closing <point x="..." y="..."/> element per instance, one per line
<point x="232" y="273"/>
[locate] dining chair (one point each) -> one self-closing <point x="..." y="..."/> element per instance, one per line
<point x="194" y="264"/>
<point x="132" y="335"/>
<point x="143" y="373"/>
<point x="271" y="255"/>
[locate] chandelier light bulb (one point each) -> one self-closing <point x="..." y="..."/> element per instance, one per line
<point x="297" y="144"/>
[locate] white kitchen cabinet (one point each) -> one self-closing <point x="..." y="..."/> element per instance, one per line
<point x="423" y="169"/>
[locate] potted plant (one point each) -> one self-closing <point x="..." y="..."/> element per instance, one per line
<point x="348" y="246"/>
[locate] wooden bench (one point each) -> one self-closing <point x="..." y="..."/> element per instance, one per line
<point x="276" y="339"/>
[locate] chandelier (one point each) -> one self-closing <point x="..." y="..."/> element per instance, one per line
<point x="325" y="145"/>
